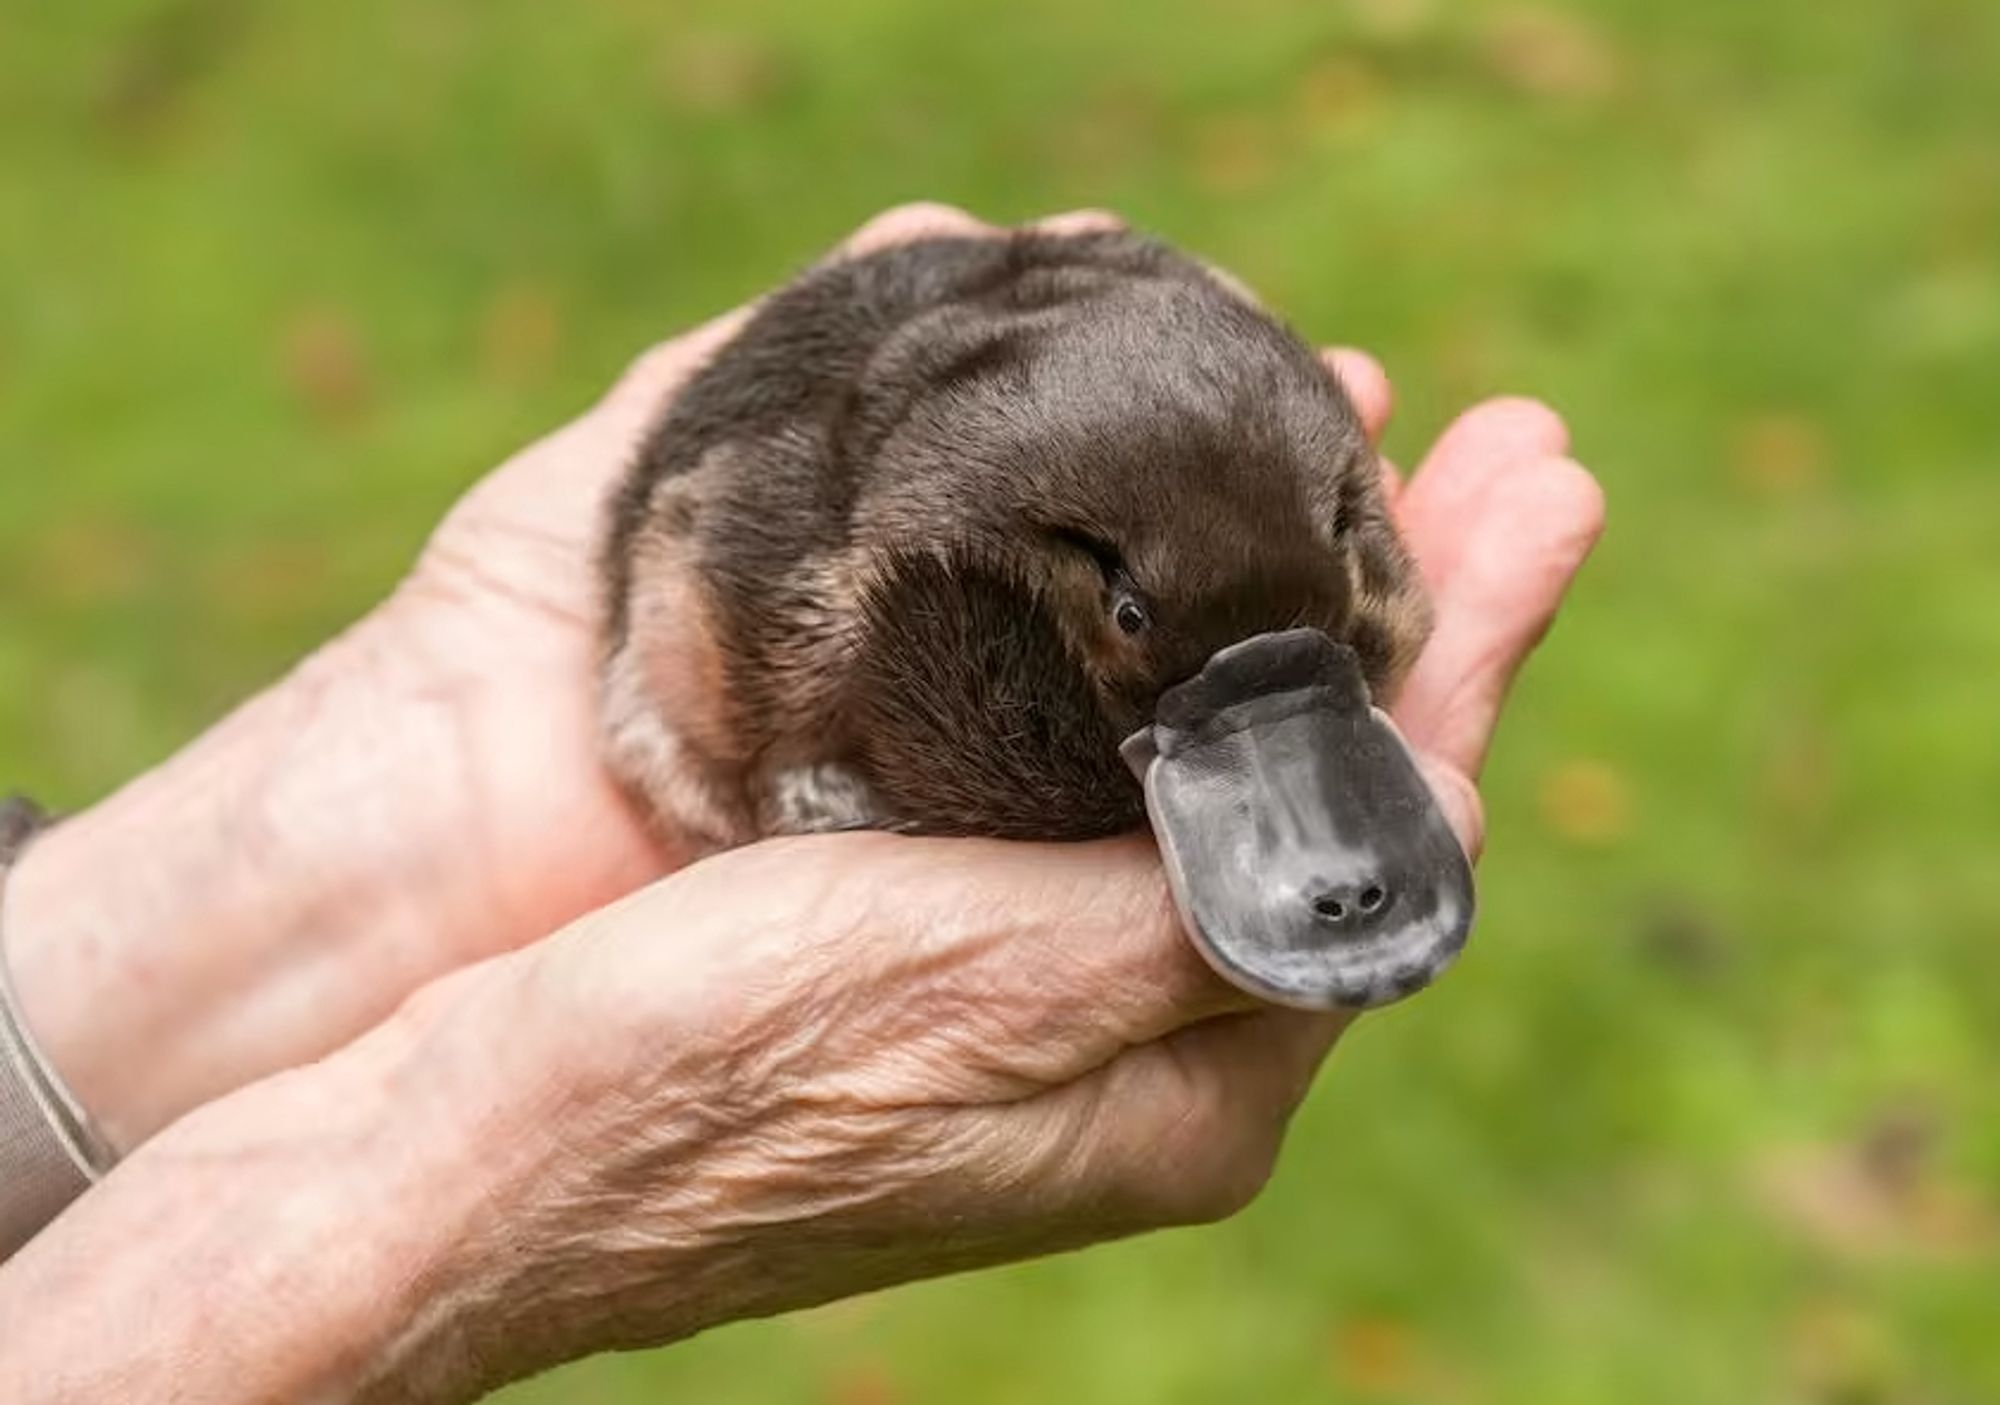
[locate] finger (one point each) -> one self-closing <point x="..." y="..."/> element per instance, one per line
<point x="1186" y="1129"/>
<point x="1366" y="384"/>
<point x="1481" y="444"/>
<point x="1072" y="222"/>
<point x="1087" y="935"/>
<point x="1458" y="798"/>
<point x="1036" y="962"/>
<point x="1512" y="534"/>
<point x="1500" y="430"/>
<point x="906" y="224"/>
<point x="1262" y="1061"/>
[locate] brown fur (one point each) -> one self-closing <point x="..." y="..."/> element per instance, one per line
<point x="870" y="568"/>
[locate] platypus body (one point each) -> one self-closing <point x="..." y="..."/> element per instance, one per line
<point x="1042" y="537"/>
<point x="931" y="536"/>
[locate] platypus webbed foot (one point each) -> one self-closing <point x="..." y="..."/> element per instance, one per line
<point x="1309" y="861"/>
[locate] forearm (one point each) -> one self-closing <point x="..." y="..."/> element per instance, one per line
<point x="793" y="1072"/>
<point x="308" y="1238"/>
<point x="282" y="883"/>
<point x="155" y="939"/>
<point x="237" y="1258"/>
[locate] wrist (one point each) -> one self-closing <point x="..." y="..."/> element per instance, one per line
<point x="326" y="1234"/>
<point x="233" y="910"/>
<point x="492" y="1106"/>
<point x="459" y="1105"/>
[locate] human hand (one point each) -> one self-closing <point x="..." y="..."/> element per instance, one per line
<point x="861" y="1060"/>
<point x="423" y="792"/>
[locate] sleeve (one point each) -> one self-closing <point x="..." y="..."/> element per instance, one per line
<point x="49" y="1152"/>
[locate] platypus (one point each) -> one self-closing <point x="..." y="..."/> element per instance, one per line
<point x="933" y="536"/>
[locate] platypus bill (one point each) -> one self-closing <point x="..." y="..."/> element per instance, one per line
<point x="1307" y="857"/>
<point x="944" y="525"/>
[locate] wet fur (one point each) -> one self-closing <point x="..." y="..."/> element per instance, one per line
<point x="844" y="580"/>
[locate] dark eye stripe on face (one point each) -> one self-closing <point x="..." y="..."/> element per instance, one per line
<point x="1105" y="554"/>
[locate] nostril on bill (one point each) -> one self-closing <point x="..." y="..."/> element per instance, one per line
<point x="1351" y="904"/>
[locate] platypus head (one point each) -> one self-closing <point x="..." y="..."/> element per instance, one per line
<point x="1072" y="503"/>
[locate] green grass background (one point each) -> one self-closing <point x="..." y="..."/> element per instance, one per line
<point x="1711" y="1113"/>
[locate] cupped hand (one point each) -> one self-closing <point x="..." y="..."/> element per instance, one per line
<point x="813" y="1067"/>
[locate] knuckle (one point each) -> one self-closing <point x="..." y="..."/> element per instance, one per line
<point x="1217" y="1186"/>
<point x="1458" y="797"/>
<point x="1231" y="1194"/>
<point x="1209" y="1165"/>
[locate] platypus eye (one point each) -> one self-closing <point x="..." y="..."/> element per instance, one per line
<point x="1128" y="611"/>
<point x="1131" y="615"/>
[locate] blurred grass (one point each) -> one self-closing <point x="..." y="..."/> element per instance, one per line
<point x="1710" y="1114"/>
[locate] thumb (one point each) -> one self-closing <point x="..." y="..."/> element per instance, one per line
<point x="1514" y="539"/>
